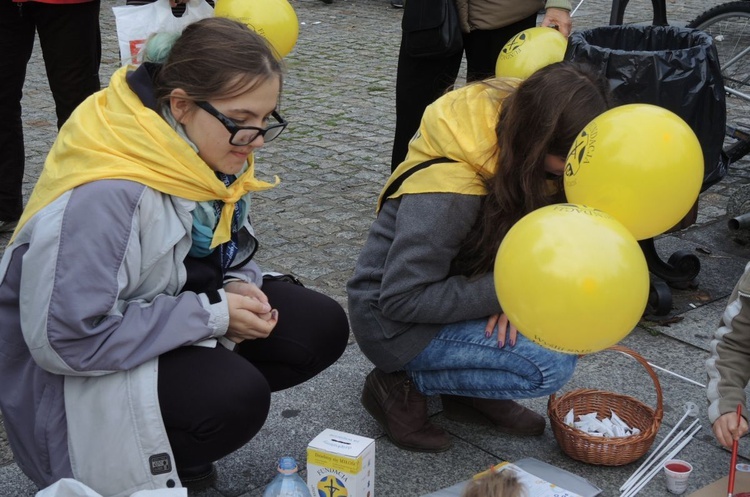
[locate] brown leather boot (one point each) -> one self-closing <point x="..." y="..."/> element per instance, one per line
<point x="504" y="415"/>
<point x="401" y="411"/>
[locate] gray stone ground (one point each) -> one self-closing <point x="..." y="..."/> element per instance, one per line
<point x="339" y="95"/>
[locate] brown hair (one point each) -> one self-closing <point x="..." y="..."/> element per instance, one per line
<point x="502" y="484"/>
<point x="216" y="58"/>
<point x="543" y="116"/>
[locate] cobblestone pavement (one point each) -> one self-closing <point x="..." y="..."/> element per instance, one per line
<point x="332" y="160"/>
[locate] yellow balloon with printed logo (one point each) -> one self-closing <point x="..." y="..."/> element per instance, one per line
<point x="529" y="51"/>
<point x="571" y="278"/>
<point x="275" y="20"/>
<point x="640" y="163"/>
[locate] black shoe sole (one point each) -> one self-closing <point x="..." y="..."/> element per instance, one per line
<point x="372" y="406"/>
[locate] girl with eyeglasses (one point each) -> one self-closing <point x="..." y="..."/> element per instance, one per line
<point x="422" y="302"/>
<point x="140" y="342"/>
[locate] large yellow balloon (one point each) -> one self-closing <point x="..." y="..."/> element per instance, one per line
<point x="275" y="20"/>
<point x="571" y="278"/>
<point x="529" y="51"/>
<point x="640" y="163"/>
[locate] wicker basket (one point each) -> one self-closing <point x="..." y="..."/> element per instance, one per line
<point x="606" y="451"/>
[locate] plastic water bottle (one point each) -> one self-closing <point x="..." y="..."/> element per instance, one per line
<point x="287" y="483"/>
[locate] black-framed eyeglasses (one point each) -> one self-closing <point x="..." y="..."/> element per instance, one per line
<point x="244" y="135"/>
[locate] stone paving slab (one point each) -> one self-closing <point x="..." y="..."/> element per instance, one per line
<point x="333" y="160"/>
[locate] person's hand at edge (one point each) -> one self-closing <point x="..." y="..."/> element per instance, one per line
<point x="726" y="431"/>
<point x="559" y="18"/>
<point x="506" y="332"/>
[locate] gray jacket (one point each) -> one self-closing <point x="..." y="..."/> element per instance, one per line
<point x="403" y="290"/>
<point x="494" y="14"/>
<point x="83" y="319"/>
<point x="728" y="364"/>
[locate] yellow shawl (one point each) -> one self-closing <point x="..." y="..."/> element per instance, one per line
<point x="459" y="126"/>
<point x="113" y="136"/>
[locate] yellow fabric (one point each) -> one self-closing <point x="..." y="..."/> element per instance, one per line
<point x="459" y="126"/>
<point x="113" y="136"/>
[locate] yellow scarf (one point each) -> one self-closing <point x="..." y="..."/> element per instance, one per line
<point x="459" y="126"/>
<point x="113" y="136"/>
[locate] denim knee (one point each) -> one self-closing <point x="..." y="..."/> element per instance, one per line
<point x="558" y="374"/>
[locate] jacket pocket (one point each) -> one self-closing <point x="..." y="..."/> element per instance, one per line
<point x="42" y="428"/>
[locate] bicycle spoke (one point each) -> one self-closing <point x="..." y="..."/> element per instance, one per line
<point x="729" y="26"/>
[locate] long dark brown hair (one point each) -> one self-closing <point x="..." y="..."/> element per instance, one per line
<point x="543" y="116"/>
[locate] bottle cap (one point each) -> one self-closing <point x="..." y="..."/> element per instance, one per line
<point x="287" y="465"/>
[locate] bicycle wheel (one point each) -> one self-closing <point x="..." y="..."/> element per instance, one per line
<point x="729" y="25"/>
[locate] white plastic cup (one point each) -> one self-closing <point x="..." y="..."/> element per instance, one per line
<point x="677" y="473"/>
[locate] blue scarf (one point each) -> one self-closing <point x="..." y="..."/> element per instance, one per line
<point x="205" y="218"/>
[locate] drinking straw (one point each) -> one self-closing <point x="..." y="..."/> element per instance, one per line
<point x="670" y="446"/>
<point x="642" y="483"/>
<point x="638" y="475"/>
<point x="677" y="375"/>
<point x="661" y="464"/>
<point x="735" y="446"/>
<point x="653" y="454"/>
<point x="672" y="373"/>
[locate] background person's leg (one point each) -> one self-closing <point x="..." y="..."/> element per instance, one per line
<point x="71" y="45"/>
<point x="419" y="82"/>
<point x="483" y="46"/>
<point x="16" y="44"/>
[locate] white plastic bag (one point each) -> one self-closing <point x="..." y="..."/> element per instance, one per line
<point x="135" y="23"/>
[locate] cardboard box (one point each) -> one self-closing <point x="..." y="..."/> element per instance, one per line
<point x="719" y="487"/>
<point x="341" y="464"/>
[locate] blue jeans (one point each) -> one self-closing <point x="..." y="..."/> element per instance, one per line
<point x="460" y="360"/>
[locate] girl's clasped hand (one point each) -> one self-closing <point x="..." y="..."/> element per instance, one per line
<point x="250" y="314"/>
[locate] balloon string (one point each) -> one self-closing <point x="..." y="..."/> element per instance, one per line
<point x="576" y="9"/>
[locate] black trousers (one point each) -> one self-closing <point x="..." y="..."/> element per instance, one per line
<point x="71" y="47"/>
<point x="213" y="401"/>
<point x="419" y="82"/>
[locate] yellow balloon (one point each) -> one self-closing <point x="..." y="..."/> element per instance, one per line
<point x="571" y="278"/>
<point x="529" y="51"/>
<point x="640" y="163"/>
<point x="275" y="20"/>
